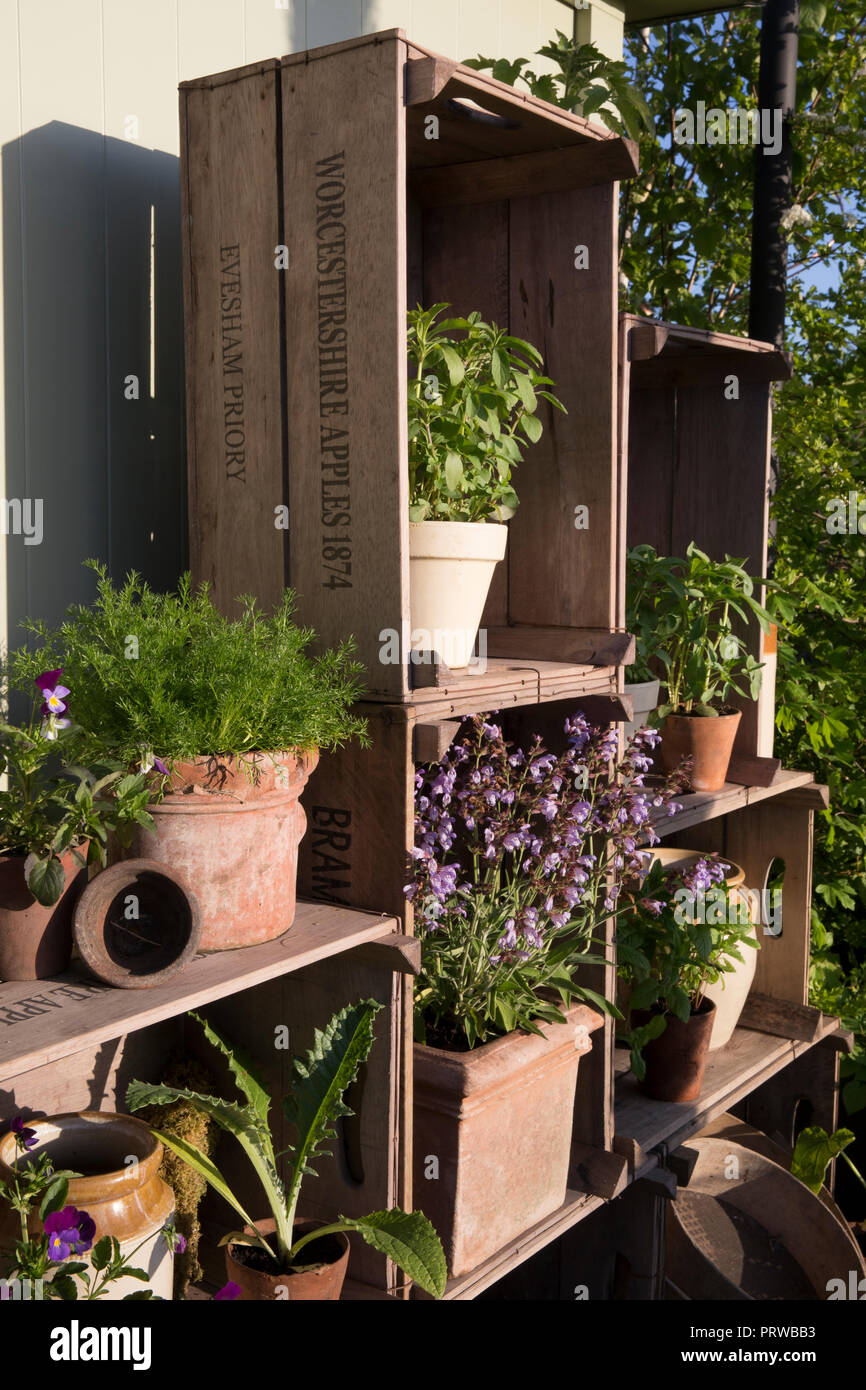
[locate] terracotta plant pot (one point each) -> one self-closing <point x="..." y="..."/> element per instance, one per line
<point x="709" y="741"/>
<point x="127" y="1200"/>
<point x="451" y="566"/>
<point x="493" y="1135"/>
<point x="150" y="946"/>
<point x="321" y="1284"/>
<point x="235" y="842"/>
<point x="675" y="1061"/>
<point x="35" y="941"/>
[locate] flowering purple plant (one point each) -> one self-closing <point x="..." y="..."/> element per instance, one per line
<point x="25" y="1138"/>
<point x="681" y="932"/>
<point x="519" y="855"/>
<point x="69" y="1232"/>
<point x="228" y="1291"/>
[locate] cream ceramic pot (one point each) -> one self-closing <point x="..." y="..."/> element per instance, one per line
<point x="120" y="1187"/>
<point x="451" y="566"/>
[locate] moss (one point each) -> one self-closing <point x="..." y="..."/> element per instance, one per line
<point x="181" y="1120"/>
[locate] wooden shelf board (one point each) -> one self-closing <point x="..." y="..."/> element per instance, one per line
<point x="576" y="1206"/>
<point x="750" y="1058"/>
<point x="703" y="806"/>
<point x="508" y="682"/>
<point x="46" y="1020"/>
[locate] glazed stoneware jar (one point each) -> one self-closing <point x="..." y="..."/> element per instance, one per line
<point x="120" y="1186"/>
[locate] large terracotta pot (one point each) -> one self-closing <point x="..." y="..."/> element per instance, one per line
<point x="708" y="740"/>
<point x="493" y="1135"/>
<point x="451" y="566"/>
<point x="234" y="841"/>
<point x="322" y="1284"/>
<point x="127" y="1199"/>
<point x="676" y="1060"/>
<point x="35" y="941"/>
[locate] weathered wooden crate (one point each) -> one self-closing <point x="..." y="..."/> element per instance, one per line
<point x="390" y="176"/>
<point x="694" y="432"/>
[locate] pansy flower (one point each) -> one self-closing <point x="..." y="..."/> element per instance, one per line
<point x="69" y="1232"/>
<point x="25" y="1138"/>
<point x="53" y="693"/>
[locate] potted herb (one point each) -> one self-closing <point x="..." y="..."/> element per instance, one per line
<point x="714" y="906"/>
<point x="227" y="715"/>
<point x="55" y="819"/>
<point x="85" y="1235"/>
<point x="698" y="609"/>
<point x="474" y="393"/>
<point x="283" y="1257"/>
<point x="667" y="955"/>
<point x="518" y="857"/>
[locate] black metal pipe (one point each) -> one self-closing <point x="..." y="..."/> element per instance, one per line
<point x="777" y="91"/>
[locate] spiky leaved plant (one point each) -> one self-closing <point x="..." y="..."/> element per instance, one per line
<point x="313" y="1107"/>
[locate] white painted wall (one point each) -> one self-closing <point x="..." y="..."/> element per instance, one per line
<point x="90" y="253"/>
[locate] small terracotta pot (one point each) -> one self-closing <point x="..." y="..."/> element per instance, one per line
<point x="675" y="1061"/>
<point x="321" y="1285"/>
<point x="498" y="1123"/>
<point x="153" y="946"/>
<point x="35" y="941"/>
<point x="234" y="841"/>
<point x="709" y="741"/>
<point x="128" y="1200"/>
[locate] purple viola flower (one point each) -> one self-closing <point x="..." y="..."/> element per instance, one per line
<point x="229" y="1290"/>
<point x="25" y="1138"/>
<point x="52" y="692"/>
<point x="69" y="1232"/>
<point x="173" y="1239"/>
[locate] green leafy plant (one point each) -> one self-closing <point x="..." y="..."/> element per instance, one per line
<point x="469" y="395"/>
<point x="49" y="807"/>
<point x="683" y="930"/>
<point x="168" y="672"/>
<point x="314" y="1106"/>
<point x="688" y="610"/>
<point x="585" y="80"/>
<point x="815" y="1150"/>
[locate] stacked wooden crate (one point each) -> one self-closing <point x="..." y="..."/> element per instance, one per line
<point x="323" y="195"/>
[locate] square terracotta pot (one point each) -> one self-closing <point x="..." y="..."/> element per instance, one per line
<point x="493" y="1135"/>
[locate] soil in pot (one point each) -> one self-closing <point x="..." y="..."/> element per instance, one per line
<point x="707" y="740"/>
<point x="676" y="1060"/>
<point x="36" y="941"/>
<point x="319" y="1275"/>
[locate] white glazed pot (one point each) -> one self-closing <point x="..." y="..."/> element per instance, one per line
<point x="645" y="695"/>
<point x="731" y="990"/>
<point x="451" y="566"/>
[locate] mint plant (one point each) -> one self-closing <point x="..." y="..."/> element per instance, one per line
<point x="314" y="1106"/>
<point x="473" y="403"/>
<point x="685" y="614"/>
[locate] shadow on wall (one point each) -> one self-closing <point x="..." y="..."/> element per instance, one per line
<point x="94" y="365"/>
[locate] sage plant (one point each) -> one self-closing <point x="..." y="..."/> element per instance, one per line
<point x="519" y="856"/>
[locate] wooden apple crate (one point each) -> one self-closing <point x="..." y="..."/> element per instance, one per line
<point x="381" y="175"/>
<point x="695" y="416"/>
<point x="392" y="176"/>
